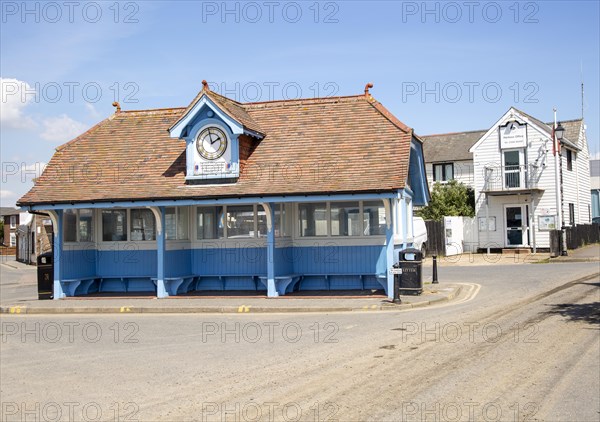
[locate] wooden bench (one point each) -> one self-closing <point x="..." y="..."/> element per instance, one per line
<point x="130" y="283"/>
<point x="328" y="278"/>
<point x="283" y="283"/>
<point x="177" y="284"/>
<point x="70" y="285"/>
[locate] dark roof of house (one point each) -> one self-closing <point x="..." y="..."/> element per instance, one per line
<point x="8" y="211"/>
<point x="595" y="168"/>
<point x="450" y="146"/>
<point x="322" y="145"/>
<point x="455" y="146"/>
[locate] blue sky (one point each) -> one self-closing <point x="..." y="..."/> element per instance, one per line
<point x="439" y="67"/>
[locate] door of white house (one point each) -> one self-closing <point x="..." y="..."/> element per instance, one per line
<point x="514" y="166"/>
<point x="517" y="225"/>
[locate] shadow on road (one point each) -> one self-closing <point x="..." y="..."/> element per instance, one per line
<point x="587" y="312"/>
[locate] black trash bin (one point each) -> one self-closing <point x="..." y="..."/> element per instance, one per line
<point x="411" y="281"/>
<point x="45" y="273"/>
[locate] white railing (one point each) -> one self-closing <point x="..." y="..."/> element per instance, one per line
<point x="512" y="177"/>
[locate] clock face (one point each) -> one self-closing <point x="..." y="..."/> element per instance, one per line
<point x="211" y="143"/>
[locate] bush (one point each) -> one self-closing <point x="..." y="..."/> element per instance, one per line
<point x="449" y="199"/>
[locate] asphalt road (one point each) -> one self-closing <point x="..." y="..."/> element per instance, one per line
<point x="526" y="347"/>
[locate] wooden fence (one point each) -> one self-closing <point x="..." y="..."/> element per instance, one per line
<point x="577" y="236"/>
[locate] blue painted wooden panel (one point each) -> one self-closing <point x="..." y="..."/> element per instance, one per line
<point x="229" y="261"/>
<point x="126" y="263"/>
<point x="334" y="259"/>
<point x="178" y="263"/>
<point x="78" y="263"/>
<point x="284" y="261"/>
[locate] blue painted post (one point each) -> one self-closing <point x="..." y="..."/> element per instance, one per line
<point x="161" y="291"/>
<point x="58" y="253"/>
<point x="271" y="288"/>
<point x="389" y="244"/>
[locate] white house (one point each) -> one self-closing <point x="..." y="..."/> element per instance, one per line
<point x="517" y="186"/>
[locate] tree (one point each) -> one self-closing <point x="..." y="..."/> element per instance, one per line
<point x="450" y="199"/>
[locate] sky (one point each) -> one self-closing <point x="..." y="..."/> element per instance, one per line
<point x="438" y="66"/>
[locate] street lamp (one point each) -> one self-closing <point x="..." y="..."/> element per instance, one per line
<point x="558" y="132"/>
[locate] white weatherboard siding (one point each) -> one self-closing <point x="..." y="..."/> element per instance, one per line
<point x="463" y="172"/>
<point x="538" y="152"/>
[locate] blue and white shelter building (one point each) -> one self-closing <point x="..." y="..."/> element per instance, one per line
<point x="273" y="197"/>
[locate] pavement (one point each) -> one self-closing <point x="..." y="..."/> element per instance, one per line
<point x="232" y="304"/>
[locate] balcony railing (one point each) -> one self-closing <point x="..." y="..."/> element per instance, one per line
<point x="509" y="178"/>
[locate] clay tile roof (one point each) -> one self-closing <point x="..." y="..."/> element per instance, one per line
<point x="322" y="145"/>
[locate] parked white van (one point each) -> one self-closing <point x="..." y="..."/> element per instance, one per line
<point x="420" y="235"/>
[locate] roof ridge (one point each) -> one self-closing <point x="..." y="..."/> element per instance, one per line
<point x="302" y="100"/>
<point x="454" y="133"/>
<point x="145" y="110"/>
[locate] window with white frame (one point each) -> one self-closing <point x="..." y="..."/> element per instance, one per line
<point x="312" y="219"/>
<point x="143" y="225"/>
<point x="177" y="223"/>
<point x="78" y="225"/>
<point x="374" y="218"/>
<point x="345" y="219"/>
<point x="13" y="221"/>
<point x="70" y="225"/>
<point x="13" y="240"/>
<point x="240" y="221"/>
<point x="114" y="225"/>
<point x="209" y="223"/>
<point x="283" y="219"/>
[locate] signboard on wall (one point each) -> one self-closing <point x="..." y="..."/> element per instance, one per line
<point x="547" y="222"/>
<point x="513" y="135"/>
<point x="491" y="224"/>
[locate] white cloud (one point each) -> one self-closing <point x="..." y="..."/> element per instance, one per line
<point x="92" y="111"/>
<point x="16" y="95"/>
<point x="7" y="198"/>
<point x="62" y="128"/>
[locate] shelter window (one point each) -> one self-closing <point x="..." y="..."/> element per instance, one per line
<point x="177" y="223"/>
<point x="345" y="219"/>
<point x="374" y="218"/>
<point x="209" y="223"/>
<point x="114" y="225"/>
<point x="313" y="219"/>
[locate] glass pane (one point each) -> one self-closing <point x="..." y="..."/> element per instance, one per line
<point x="171" y="226"/>
<point x="209" y="223"/>
<point x="374" y="218"/>
<point x="313" y="219"/>
<point x="183" y="220"/>
<point x="262" y="219"/>
<point x="449" y="172"/>
<point x="86" y="225"/>
<point x="438" y="175"/>
<point x="114" y="225"/>
<point x="345" y="219"/>
<point x="240" y="221"/>
<point x="511" y="158"/>
<point x="70" y="225"/>
<point x="142" y="225"/>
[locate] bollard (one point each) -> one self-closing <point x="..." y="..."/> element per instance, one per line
<point x="397" y="289"/>
<point x="435" y="277"/>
